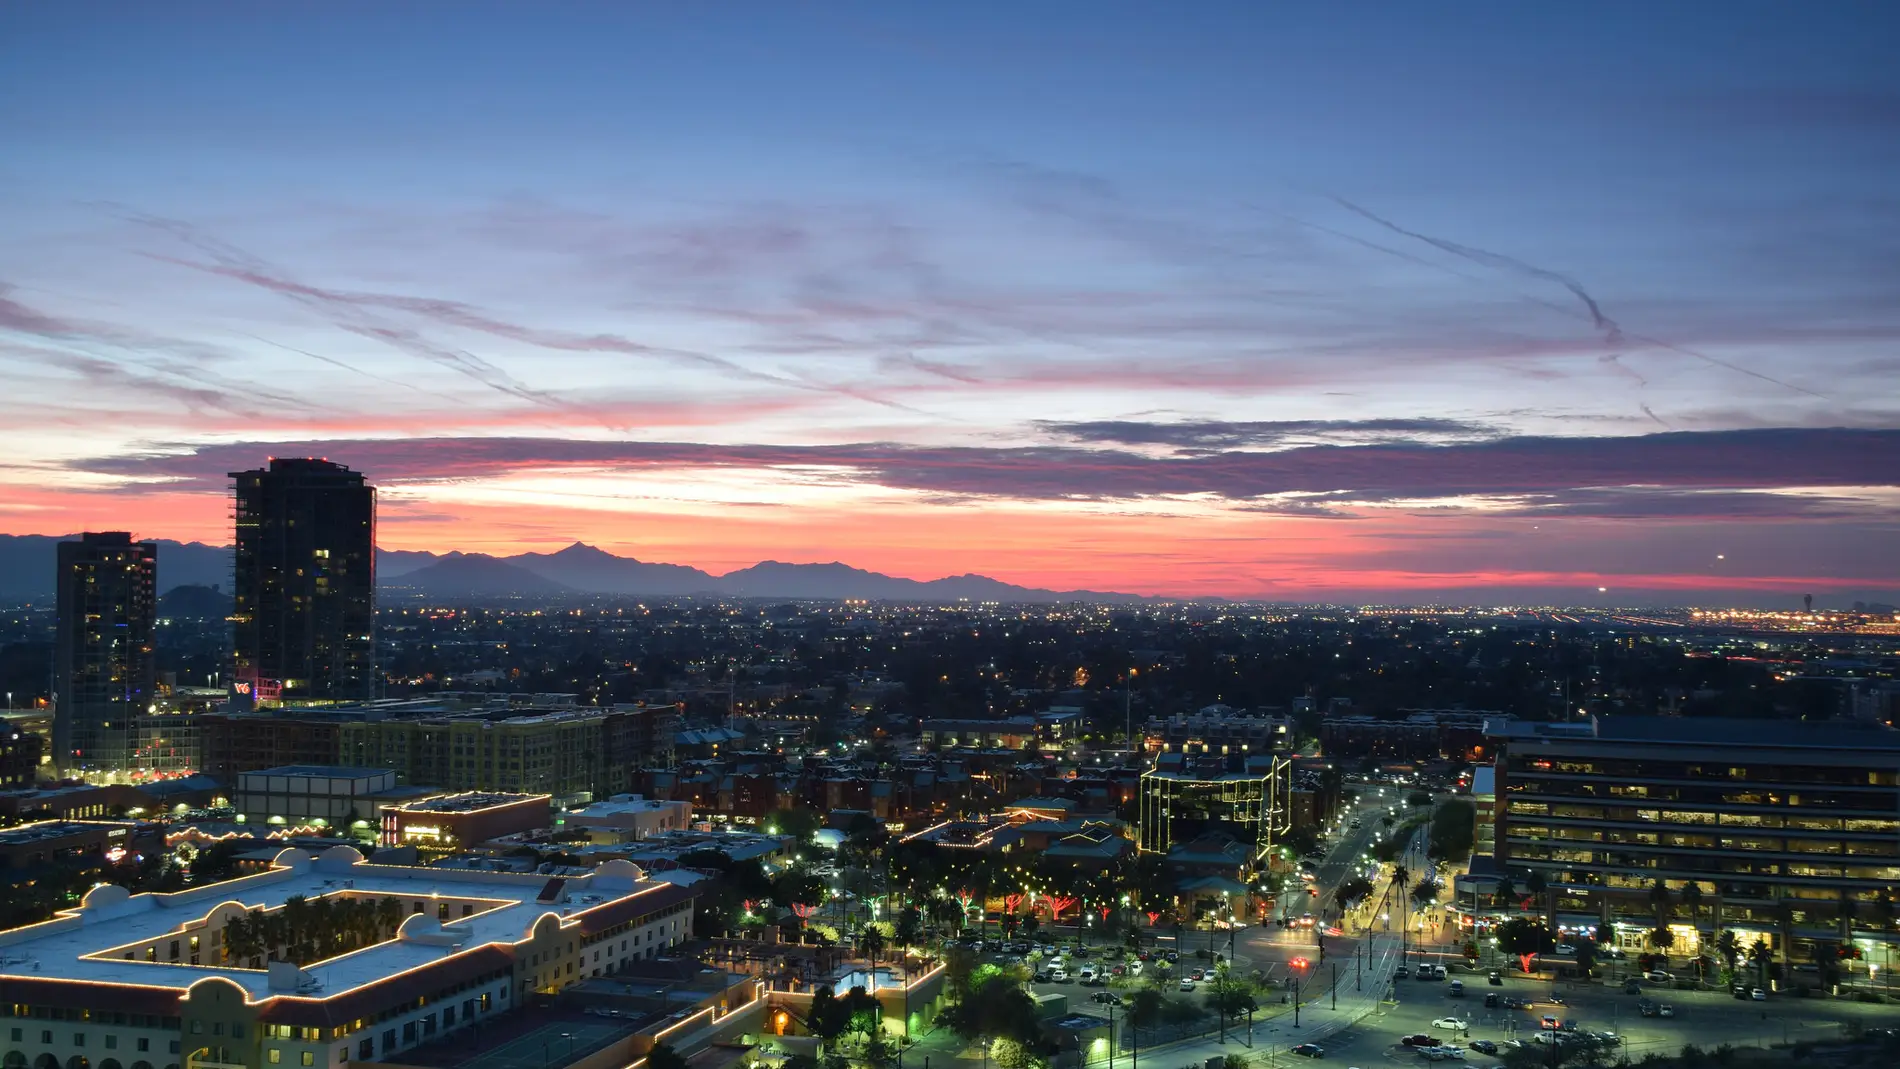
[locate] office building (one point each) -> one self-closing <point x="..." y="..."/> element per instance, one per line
<point x="1789" y="831"/>
<point x="104" y="674"/>
<point x="395" y="958"/>
<point x="349" y="800"/>
<point x="1185" y="798"/>
<point x="304" y="576"/>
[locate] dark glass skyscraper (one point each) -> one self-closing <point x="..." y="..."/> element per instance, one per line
<point x="103" y="660"/>
<point x="305" y="583"/>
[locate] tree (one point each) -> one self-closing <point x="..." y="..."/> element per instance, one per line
<point x="1453" y="830"/>
<point x="663" y="1056"/>
<point x="1659" y="901"/>
<point x="1010" y="1053"/>
<point x="871" y="943"/>
<point x="1506" y="893"/>
<point x="1524" y="938"/>
<point x="1760" y="955"/>
<point x="1540" y="888"/>
<point x="1354" y="889"/>
<point x="1586" y="955"/>
<point x="1142" y="1007"/>
<point x="994" y="1006"/>
<point x="1728" y="948"/>
<point x="1662" y="938"/>
<point x="1230" y="995"/>
<point x="910" y="927"/>
<point x="800" y="824"/>
<point x="1692" y="900"/>
<point x="1424" y="893"/>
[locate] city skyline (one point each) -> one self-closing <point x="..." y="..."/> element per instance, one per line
<point x="1174" y="306"/>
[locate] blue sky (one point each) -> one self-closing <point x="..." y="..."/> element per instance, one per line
<point x="226" y="231"/>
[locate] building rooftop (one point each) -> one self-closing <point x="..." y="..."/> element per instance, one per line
<point x="320" y="771"/>
<point x="51" y="829"/>
<point x="1707" y="731"/>
<point x="72" y="946"/>
<point x="469" y="802"/>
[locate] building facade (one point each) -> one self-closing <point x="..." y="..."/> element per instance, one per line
<point x="151" y="986"/>
<point x="104" y="669"/>
<point x="332" y="796"/>
<point x="575" y="755"/>
<point x="1789" y="831"/>
<point x="304" y="577"/>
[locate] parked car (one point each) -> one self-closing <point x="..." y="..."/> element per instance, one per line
<point x="1042" y="976"/>
<point x="1758" y="994"/>
<point x="1484" y="1046"/>
<point x="1187" y="984"/>
<point x="1454" y="1023"/>
<point x="1665" y="1010"/>
<point x="1495" y="978"/>
<point x="1457" y="989"/>
<point x="1439" y="1054"/>
<point x="1657" y="976"/>
<point x="1136" y="968"/>
<point x="1438" y="972"/>
<point x="1646" y="1008"/>
<point x="1106" y="998"/>
<point x="1420" y="1040"/>
<point x="1402" y="973"/>
<point x="1309" y="1050"/>
<point x="1058" y="975"/>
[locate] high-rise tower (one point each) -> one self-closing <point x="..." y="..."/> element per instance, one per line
<point x="103" y="668"/>
<point x="305" y="583"/>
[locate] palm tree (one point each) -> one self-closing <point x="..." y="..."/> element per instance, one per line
<point x="1759" y="955"/>
<point x="1729" y="948"/>
<point x="1784" y="925"/>
<point x="1506" y="892"/>
<point x="1539" y="887"/>
<point x="1692" y="900"/>
<point x="871" y="943"/>
<point x="1659" y="901"/>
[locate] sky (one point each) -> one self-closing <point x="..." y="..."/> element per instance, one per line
<point x="1577" y="304"/>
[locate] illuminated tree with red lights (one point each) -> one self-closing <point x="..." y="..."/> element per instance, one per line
<point x="1059" y="903"/>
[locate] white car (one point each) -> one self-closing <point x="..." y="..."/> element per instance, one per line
<point x="1058" y="975"/>
<point x="1439" y="1054"/>
<point x="1135" y="968"/>
<point x="1452" y="1023"/>
<point x="1657" y="976"/>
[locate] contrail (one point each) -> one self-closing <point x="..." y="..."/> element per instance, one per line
<point x="1612" y="332"/>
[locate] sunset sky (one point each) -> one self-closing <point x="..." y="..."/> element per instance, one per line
<point x="1293" y="301"/>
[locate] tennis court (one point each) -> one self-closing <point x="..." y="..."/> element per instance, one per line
<point x="551" y="1044"/>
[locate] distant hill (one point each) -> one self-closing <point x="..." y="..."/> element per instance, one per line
<point x="27" y="564"/>
<point x="475" y="575"/>
<point x="583" y="567"/>
<point x="194" y="602"/>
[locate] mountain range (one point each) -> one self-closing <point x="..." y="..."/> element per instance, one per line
<point x="27" y="563"/>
